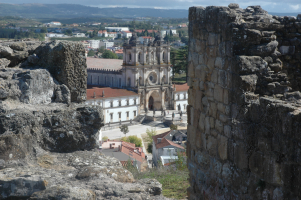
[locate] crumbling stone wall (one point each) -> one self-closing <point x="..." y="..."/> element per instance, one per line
<point x="244" y="117"/>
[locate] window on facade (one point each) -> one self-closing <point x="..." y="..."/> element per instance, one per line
<point x="184" y="106"/>
<point x="184" y="96"/>
<point x="119" y="103"/>
<point x="111" y="116"/>
<point x="119" y="114"/>
<point x="135" y="101"/>
<point x="111" y="104"/>
<point x="127" y="102"/>
<point x="178" y="97"/>
<point x="127" y="115"/>
<point x="134" y="113"/>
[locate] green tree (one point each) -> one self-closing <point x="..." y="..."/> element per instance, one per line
<point x="150" y="133"/>
<point x="133" y="139"/>
<point x="104" y="138"/>
<point x="91" y="53"/>
<point x="68" y="32"/>
<point x="173" y="127"/>
<point x="43" y="30"/>
<point x="150" y="148"/>
<point x="124" y="129"/>
<point x="170" y="33"/>
<point x="109" y="54"/>
<point x="101" y="49"/>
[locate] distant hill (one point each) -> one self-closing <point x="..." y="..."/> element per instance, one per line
<point x="75" y="11"/>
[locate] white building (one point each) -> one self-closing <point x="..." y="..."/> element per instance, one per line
<point x="165" y="146"/>
<point x="112" y="34"/>
<point x="163" y="32"/>
<point x="79" y="35"/>
<point x="103" y="33"/>
<point x="127" y="34"/>
<point x="56" y="23"/>
<point x="55" y="35"/>
<point x="94" y="44"/>
<point x="118" y="104"/>
<point x="106" y="44"/>
<point x="145" y="70"/>
<point x="117" y="29"/>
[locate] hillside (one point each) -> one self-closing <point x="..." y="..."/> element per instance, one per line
<point x="74" y="11"/>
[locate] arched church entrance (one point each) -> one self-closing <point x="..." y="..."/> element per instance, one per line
<point x="155" y="101"/>
<point x="151" y="103"/>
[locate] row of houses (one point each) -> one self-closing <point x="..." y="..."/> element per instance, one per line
<point x="166" y="148"/>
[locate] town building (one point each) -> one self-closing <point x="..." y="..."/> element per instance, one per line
<point x="94" y="44"/>
<point x="79" y="35"/>
<point x="143" y="75"/>
<point x="55" y="23"/>
<point x="55" y="35"/>
<point x="167" y="145"/>
<point x="106" y="44"/>
<point x="102" y="33"/>
<point x="117" y="29"/>
<point x="127" y="34"/>
<point x="167" y="31"/>
<point x="145" y="39"/>
<point x="125" y="152"/>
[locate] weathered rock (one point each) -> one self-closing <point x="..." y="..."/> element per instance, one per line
<point x="4" y="63"/>
<point x="251" y="64"/>
<point x="264" y="49"/>
<point x="19" y="46"/>
<point x="59" y="59"/>
<point x="53" y="177"/>
<point x="5" y="51"/>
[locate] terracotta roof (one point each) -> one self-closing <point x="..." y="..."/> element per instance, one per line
<point x="127" y="31"/>
<point x="109" y="92"/>
<point x="147" y="37"/>
<point x="164" y="142"/>
<point x="101" y="63"/>
<point x="183" y="87"/>
<point x="131" y="145"/>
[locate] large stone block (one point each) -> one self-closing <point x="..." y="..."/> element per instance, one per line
<point x="202" y="122"/>
<point x="211" y="145"/>
<point x="218" y="62"/>
<point x="219" y="93"/>
<point x="67" y="67"/>
<point x="222" y="147"/>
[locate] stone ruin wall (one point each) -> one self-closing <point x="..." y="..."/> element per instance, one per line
<point x="244" y="116"/>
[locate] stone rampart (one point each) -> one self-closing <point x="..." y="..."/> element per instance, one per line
<point x="244" y="116"/>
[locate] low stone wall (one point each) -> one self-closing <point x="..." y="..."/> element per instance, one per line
<point x="244" y="107"/>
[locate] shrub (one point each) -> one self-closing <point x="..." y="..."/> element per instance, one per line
<point x="150" y="147"/>
<point x="173" y="127"/>
<point x="133" y="139"/>
<point x="150" y="133"/>
<point x="104" y="138"/>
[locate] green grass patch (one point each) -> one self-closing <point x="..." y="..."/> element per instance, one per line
<point x="174" y="178"/>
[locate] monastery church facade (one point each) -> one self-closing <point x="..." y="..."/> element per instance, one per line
<point x="143" y="78"/>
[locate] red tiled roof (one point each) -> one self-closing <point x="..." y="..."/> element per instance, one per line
<point x="127" y="31"/>
<point x="131" y="145"/>
<point x="108" y="93"/>
<point x="164" y="142"/>
<point x="101" y="63"/>
<point x="183" y="87"/>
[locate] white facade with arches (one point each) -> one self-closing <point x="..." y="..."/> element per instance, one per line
<point x="144" y="70"/>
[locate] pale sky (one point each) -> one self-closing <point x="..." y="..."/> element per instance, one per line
<point x="280" y="6"/>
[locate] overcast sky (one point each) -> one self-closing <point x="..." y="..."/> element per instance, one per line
<point x="280" y="6"/>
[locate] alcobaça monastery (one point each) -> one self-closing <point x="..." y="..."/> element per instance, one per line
<point x="140" y="83"/>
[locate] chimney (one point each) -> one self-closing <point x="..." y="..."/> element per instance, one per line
<point x="103" y="93"/>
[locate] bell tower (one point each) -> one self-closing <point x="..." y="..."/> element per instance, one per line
<point x="147" y="70"/>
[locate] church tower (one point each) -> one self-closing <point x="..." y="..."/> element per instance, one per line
<point x="147" y="70"/>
